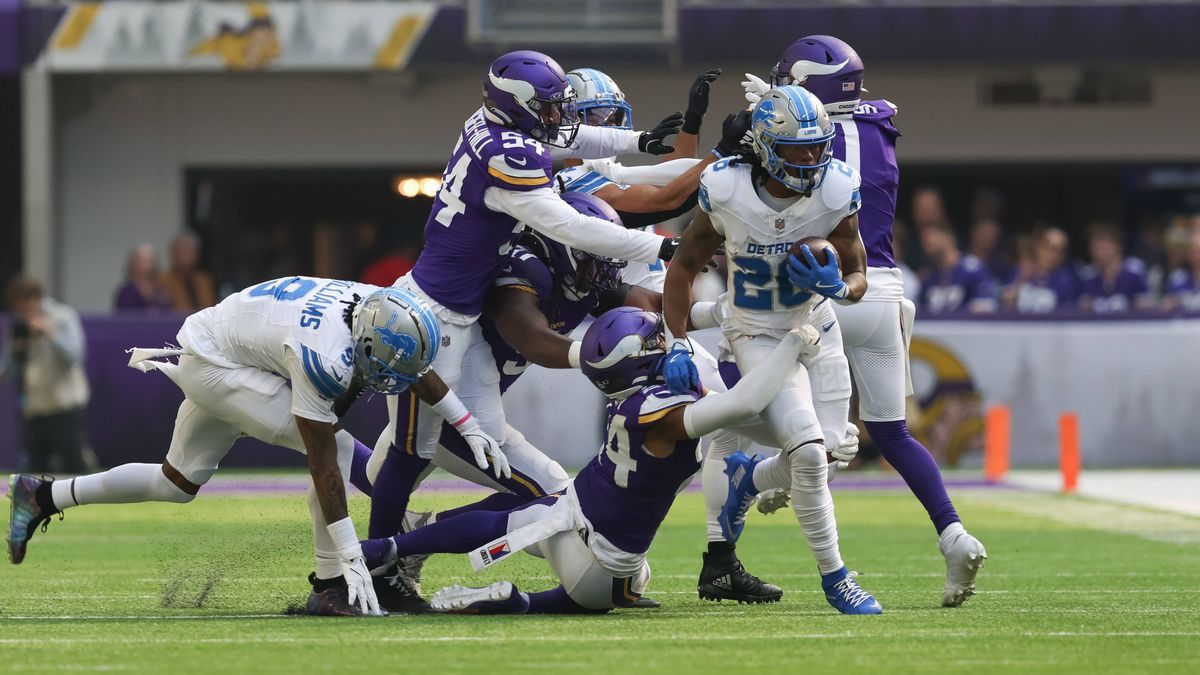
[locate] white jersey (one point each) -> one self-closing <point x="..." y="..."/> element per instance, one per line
<point x="761" y="299"/>
<point x="580" y="179"/>
<point x="292" y="326"/>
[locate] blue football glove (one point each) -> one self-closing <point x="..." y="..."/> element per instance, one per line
<point x="678" y="369"/>
<point x="810" y="275"/>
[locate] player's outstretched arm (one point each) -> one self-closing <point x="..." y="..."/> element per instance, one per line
<point x="521" y="324"/>
<point x="746" y="399"/>
<point x="546" y="212"/>
<point x="434" y="392"/>
<point x="321" y="447"/>
<point x="600" y="142"/>
<point x="652" y="198"/>
<point x="697" y="246"/>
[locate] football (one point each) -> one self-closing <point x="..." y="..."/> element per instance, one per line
<point x="817" y="245"/>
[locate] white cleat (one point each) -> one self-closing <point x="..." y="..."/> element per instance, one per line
<point x="965" y="556"/>
<point x="770" y="501"/>
<point x="501" y="597"/>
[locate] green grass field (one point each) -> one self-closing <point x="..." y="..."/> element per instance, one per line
<point x="1071" y="586"/>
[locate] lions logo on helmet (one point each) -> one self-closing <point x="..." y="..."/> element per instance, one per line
<point x="396" y="339"/>
<point x="601" y="102"/>
<point x="792" y="116"/>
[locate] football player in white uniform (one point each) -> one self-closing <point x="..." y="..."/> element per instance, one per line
<point x="269" y="362"/>
<point x="790" y="189"/>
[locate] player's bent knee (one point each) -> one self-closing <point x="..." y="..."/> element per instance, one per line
<point x="808" y="455"/>
<point x="165" y="490"/>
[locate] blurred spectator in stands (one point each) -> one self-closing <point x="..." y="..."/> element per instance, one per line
<point x="987" y="204"/>
<point x="1183" y="285"/>
<point x="1177" y="242"/>
<point x="1044" y="281"/>
<point x="928" y="210"/>
<point x="395" y="264"/>
<point x="43" y="353"/>
<point x="1112" y="283"/>
<point x="190" y="287"/>
<point x="985" y="242"/>
<point x="1150" y="248"/>
<point x="901" y="245"/>
<point x="143" y="288"/>
<point x="953" y="282"/>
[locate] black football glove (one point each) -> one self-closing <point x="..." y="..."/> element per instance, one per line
<point x="698" y="101"/>
<point x="735" y="134"/>
<point x="651" y="142"/>
<point x="668" y="248"/>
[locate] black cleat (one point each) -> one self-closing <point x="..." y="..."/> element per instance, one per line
<point x="26" y="513"/>
<point x="329" y="597"/>
<point x="397" y="592"/>
<point x="646" y="603"/>
<point x="731" y="581"/>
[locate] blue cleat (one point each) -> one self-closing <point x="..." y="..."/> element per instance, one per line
<point x="26" y="515"/>
<point x="740" y="469"/>
<point x="844" y="593"/>
<point x="501" y="597"/>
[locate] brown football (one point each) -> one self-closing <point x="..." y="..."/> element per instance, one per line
<point x="817" y="245"/>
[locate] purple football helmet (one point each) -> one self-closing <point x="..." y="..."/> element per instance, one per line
<point x="579" y="272"/>
<point x="622" y="349"/>
<point x="827" y="67"/>
<point x="529" y="91"/>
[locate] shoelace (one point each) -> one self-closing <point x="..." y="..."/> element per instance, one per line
<point x="399" y="582"/>
<point x="851" y="591"/>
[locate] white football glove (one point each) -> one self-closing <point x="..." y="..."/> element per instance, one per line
<point x="811" y="342"/>
<point x="848" y="448"/>
<point x="755" y="88"/>
<point x="485" y="448"/>
<point x="354" y="568"/>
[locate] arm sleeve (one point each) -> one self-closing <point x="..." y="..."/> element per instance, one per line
<point x="635" y="219"/>
<point x="598" y="143"/>
<point x="707" y="314"/>
<point x="547" y="213"/>
<point x="652" y="174"/>
<point x="749" y="396"/>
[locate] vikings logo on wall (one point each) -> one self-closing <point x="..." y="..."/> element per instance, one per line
<point x="249" y="48"/>
<point x="951" y="417"/>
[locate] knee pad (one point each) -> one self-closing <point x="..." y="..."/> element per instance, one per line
<point x="808" y="456"/>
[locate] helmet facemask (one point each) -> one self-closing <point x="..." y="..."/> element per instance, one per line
<point x="593" y="273"/>
<point x="558" y="121"/>
<point x="802" y="177"/>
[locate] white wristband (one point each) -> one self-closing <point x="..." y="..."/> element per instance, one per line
<point x="573" y="353"/>
<point x="343" y="534"/>
<point x="452" y="410"/>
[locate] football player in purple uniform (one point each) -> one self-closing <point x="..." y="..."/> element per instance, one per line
<point x="496" y="182"/>
<point x="876" y="330"/>
<point x="595" y="534"/>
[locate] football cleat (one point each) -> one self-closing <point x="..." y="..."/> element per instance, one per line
<point x="26" y="515"/>
<point x="397" y="592"/>
<point x="329" y="597"/>
<point x="846" y="596"/>
<point x="733" y="582"/>
<point x="646" y="603"/>
<point x="412" y="565"/>
<point x="741" y="494"/>
<point x="965" y="556"/>
<point x="501" y="597"/>
<point x="770" y="501"/>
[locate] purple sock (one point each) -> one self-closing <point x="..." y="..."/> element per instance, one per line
<point x="918" y="468"/>
<point x="556" y="601"/>
<point x="456" y="535"/>
<point x="358" y="468"/>
<point x="393" y="486"/>
<point x="499" y="501"/>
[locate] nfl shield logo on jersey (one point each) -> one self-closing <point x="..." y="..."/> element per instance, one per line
<point x="780" y="224"/>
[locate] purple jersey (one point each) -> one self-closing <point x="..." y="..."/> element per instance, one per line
<point x="466" y="243"/>
<point x="625" y="492"/>
<point x="527" y="272"/>
<point x="1118" y="295"/>
<point x="1043" y="293"/>
<point x="1184" y="286"/>
<point x="967" y="285"/>
<point x="866" y="141"/>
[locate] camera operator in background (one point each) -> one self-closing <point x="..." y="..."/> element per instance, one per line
<point x="43" y="352"/>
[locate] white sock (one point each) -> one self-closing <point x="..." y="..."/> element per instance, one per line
<point x="125" y="484"/>
<point x="713" y="481"/>
<point x="773" y="473"/>
<point x="814" y="505"/>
